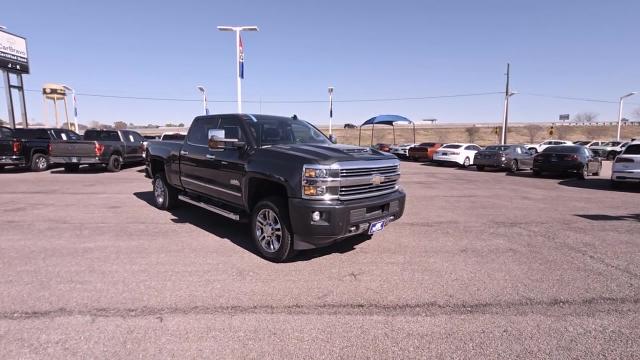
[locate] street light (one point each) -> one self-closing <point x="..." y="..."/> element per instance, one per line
<point x="330" y="108"/>
<point x="239" y="56"/>
<point x="204" y="99"/>
<point x="75" y="105"/>
<point x="620" y="112"/>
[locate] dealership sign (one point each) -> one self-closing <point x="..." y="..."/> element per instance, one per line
<point x="13" y="53"/>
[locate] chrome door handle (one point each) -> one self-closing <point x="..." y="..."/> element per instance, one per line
<point x="184" y="152"/>
<point x="210" y="156"/>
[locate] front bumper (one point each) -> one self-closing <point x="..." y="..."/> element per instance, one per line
<point x="340" y="219"/>
<point x="76" y="160"/>
<point x="496" y="162"/>
<point x="12" y="161"/>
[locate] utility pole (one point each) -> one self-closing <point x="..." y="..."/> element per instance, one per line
<point x="330" y="109"/>
<point x="505" y="120"/>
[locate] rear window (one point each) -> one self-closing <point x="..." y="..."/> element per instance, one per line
<point x="93" y="135"/>
<point x="497" y="148"/>
<point x="633" y="149"/>
<point x="65" y="135"/>
<point x="173" y="137"/>
<point x="452" y="146"/>
<point x="562" y="149"/>
<point x="6" y="133"/>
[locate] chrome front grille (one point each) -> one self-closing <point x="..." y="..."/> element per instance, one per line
<point x="362" y="182"/>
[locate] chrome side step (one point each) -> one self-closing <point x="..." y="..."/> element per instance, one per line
<point x="211" y="208"/>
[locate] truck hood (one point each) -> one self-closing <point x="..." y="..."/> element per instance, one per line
<point x="327" y="154"/>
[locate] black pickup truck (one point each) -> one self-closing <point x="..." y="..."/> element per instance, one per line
<point x="299" y="190"/>
<point x="30" y="147"/>
<point x="112" y="148"/>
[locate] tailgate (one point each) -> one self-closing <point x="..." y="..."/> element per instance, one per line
<point x="6" y="148"/>
<point x="73" y="148"/>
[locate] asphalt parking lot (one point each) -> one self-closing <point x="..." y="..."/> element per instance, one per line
<point x="483" y="264"/>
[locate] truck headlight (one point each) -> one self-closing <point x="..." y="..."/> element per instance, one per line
<point x="320" y="182"/>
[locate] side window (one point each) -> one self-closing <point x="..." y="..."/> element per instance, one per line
<point x="137" y="137"/>
<point x="111" y="136"/>
<point x="5" y="133"/>
<point x="199" y="131"/>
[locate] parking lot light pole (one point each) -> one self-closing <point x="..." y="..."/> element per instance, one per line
<point x="205" y="108"/>
<point x="75" y="106"/>
<point x="330" y="109"/>
<point x="505" y="119"/>
<point x="620" y="112"/>
<point x="239" y="56"/>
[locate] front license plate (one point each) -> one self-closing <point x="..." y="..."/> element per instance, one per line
<point x="376" y="226"/>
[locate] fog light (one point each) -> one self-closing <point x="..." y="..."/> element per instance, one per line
<point x="315" y="216"/>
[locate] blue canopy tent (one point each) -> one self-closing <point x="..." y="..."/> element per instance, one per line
<point x="387" y="120"/>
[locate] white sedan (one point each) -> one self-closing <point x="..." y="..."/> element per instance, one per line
<point x="545" y="144"/>
<point x="461" y="154"/>
<point x="626" y="167"/>
<point x="401" y="151"/>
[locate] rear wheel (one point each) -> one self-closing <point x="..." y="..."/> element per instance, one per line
<point x="39" y="162"/>
<point x="115" y="163"/>
<point x="165" y="195"/>
<point x="271" y="231"/>
<point x="514" y="167"/>
<point x="611" y="155"/>
<point x="584" y="172"/>
<point x="466" y="162"/>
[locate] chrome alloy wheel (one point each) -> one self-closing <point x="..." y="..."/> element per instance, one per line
<point x="159" y="191"/>
<point x="41" y="163"/>
<point x="268" y="230"/>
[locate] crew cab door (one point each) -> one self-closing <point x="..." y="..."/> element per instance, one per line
<point x="229" y="162"/>
<point x="132" y="145"/>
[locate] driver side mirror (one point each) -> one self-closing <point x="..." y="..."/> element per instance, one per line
<point x="333" y="139"/>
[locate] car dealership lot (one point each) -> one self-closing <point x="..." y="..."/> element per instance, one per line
<point x="483" y="264"/>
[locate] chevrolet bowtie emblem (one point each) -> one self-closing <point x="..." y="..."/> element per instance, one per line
<point x="377" y="179"/>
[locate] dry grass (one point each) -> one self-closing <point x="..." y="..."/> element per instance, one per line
<point x="482" y="135"/>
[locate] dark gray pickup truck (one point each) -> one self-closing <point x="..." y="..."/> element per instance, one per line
<point x="112" y="148"/>
<point x="299" y="190"/>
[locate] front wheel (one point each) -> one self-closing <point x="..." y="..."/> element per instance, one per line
<point x="513" y="167"/>
<point x="115" y="163"/>
<point x="466" y="162"/>
<point x="611" y="155"/>
<point x="39" y="162"/>
<point x="584" y="172"/>
<point x="271" y="231"/>
<point x="165" y="195"/>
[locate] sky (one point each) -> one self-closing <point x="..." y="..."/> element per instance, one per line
<point x="367" y="50"/>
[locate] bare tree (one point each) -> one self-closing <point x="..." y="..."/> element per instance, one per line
<point x="94" y="124"/>
<point x="585" y="117"/>
<point x="532" y="131"/>
<point x="472" y="133"/>
<point x="120" y="125"/>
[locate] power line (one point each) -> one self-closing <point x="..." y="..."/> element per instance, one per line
<point x="575" y="98"/>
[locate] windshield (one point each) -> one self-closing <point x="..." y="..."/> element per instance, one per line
<point x="497" y="148"/>
<point x="452" y="146"/>
<point x="285" y="131"/>
<point x="562" y="149"/>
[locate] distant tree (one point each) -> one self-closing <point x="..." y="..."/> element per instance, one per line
<point x="170" y="125"/>
<point x="120" y="125"/>
<point x="585" y="117"/>
<point x="472" y="133"/>
<point x="181" y="125"/>
<point x="532" y="131"/>
<point x="93" y="124"/>
<point x="132" y="125"/>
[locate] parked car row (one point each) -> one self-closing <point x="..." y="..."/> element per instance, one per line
<point x="40" y="148"/>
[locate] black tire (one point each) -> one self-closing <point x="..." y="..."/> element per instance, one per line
<point x="115" y="163"/>
<point x="514" y="167"/>
<point x="268" y="216"/>
<point x="611" y="155"/>
<point x="39" y="162"/>
<point x="1" y="167"/>
<point x="165" y="196"/>
<point x="537" y="172"/>
<point x="466" y="162"/>
<point x="584" y="172"/>
<point x="71" y="167"/>
<point x="480" y="167"/>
